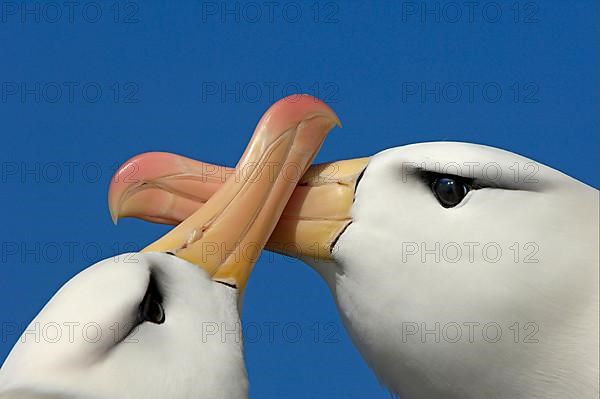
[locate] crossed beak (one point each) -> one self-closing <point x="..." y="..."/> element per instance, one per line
<point x="225" y="216"/>
<point x="227" y="233"/>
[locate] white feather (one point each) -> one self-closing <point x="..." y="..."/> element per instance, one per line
<point x="382" y="293"/>
<point x="187" y="357"/>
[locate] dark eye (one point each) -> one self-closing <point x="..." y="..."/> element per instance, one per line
<point x="151" y="309"/>
<point x="449" y="191"/>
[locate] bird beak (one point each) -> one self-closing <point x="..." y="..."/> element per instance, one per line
<point x="166" y="188"/>
<point x="318" y="211"/>
<point x="227" y="233"/>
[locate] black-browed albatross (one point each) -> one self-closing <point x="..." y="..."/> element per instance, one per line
<point x="136" y="326"/>
<point x="459" y="270"/>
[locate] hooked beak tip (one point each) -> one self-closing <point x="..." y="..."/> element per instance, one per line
<point x="114" y="202"/>
<point x="114" y="216"/>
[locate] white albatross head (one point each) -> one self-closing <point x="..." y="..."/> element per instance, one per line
<point x="459" y="270"/>
<point x="138" y="317"/>
<point x="467" y="272"/>
<point x="153" y="325"/>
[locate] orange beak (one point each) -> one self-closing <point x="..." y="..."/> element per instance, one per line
<point x="167" y="188"/>
<point x="227" y="233"/>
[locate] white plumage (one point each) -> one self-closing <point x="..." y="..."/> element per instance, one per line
<point x="187" y="356"/>
<point x="544" y="299"/>
<point x="459" y="270"/>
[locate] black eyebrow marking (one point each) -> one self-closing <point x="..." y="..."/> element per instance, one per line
<point x="130" y="328"/>
<point x="430" y="177"/>
<point x="474" y="182"/>
<point x="152" y="291"/>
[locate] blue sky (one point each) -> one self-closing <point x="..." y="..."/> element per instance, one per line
<point x="85" y="87"/>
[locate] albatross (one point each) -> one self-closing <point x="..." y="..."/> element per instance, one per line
<point x="158" y="323"/>
<point x="459" y="270"/>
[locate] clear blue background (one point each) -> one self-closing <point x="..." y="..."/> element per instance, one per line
<point x="187" y="78"/>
